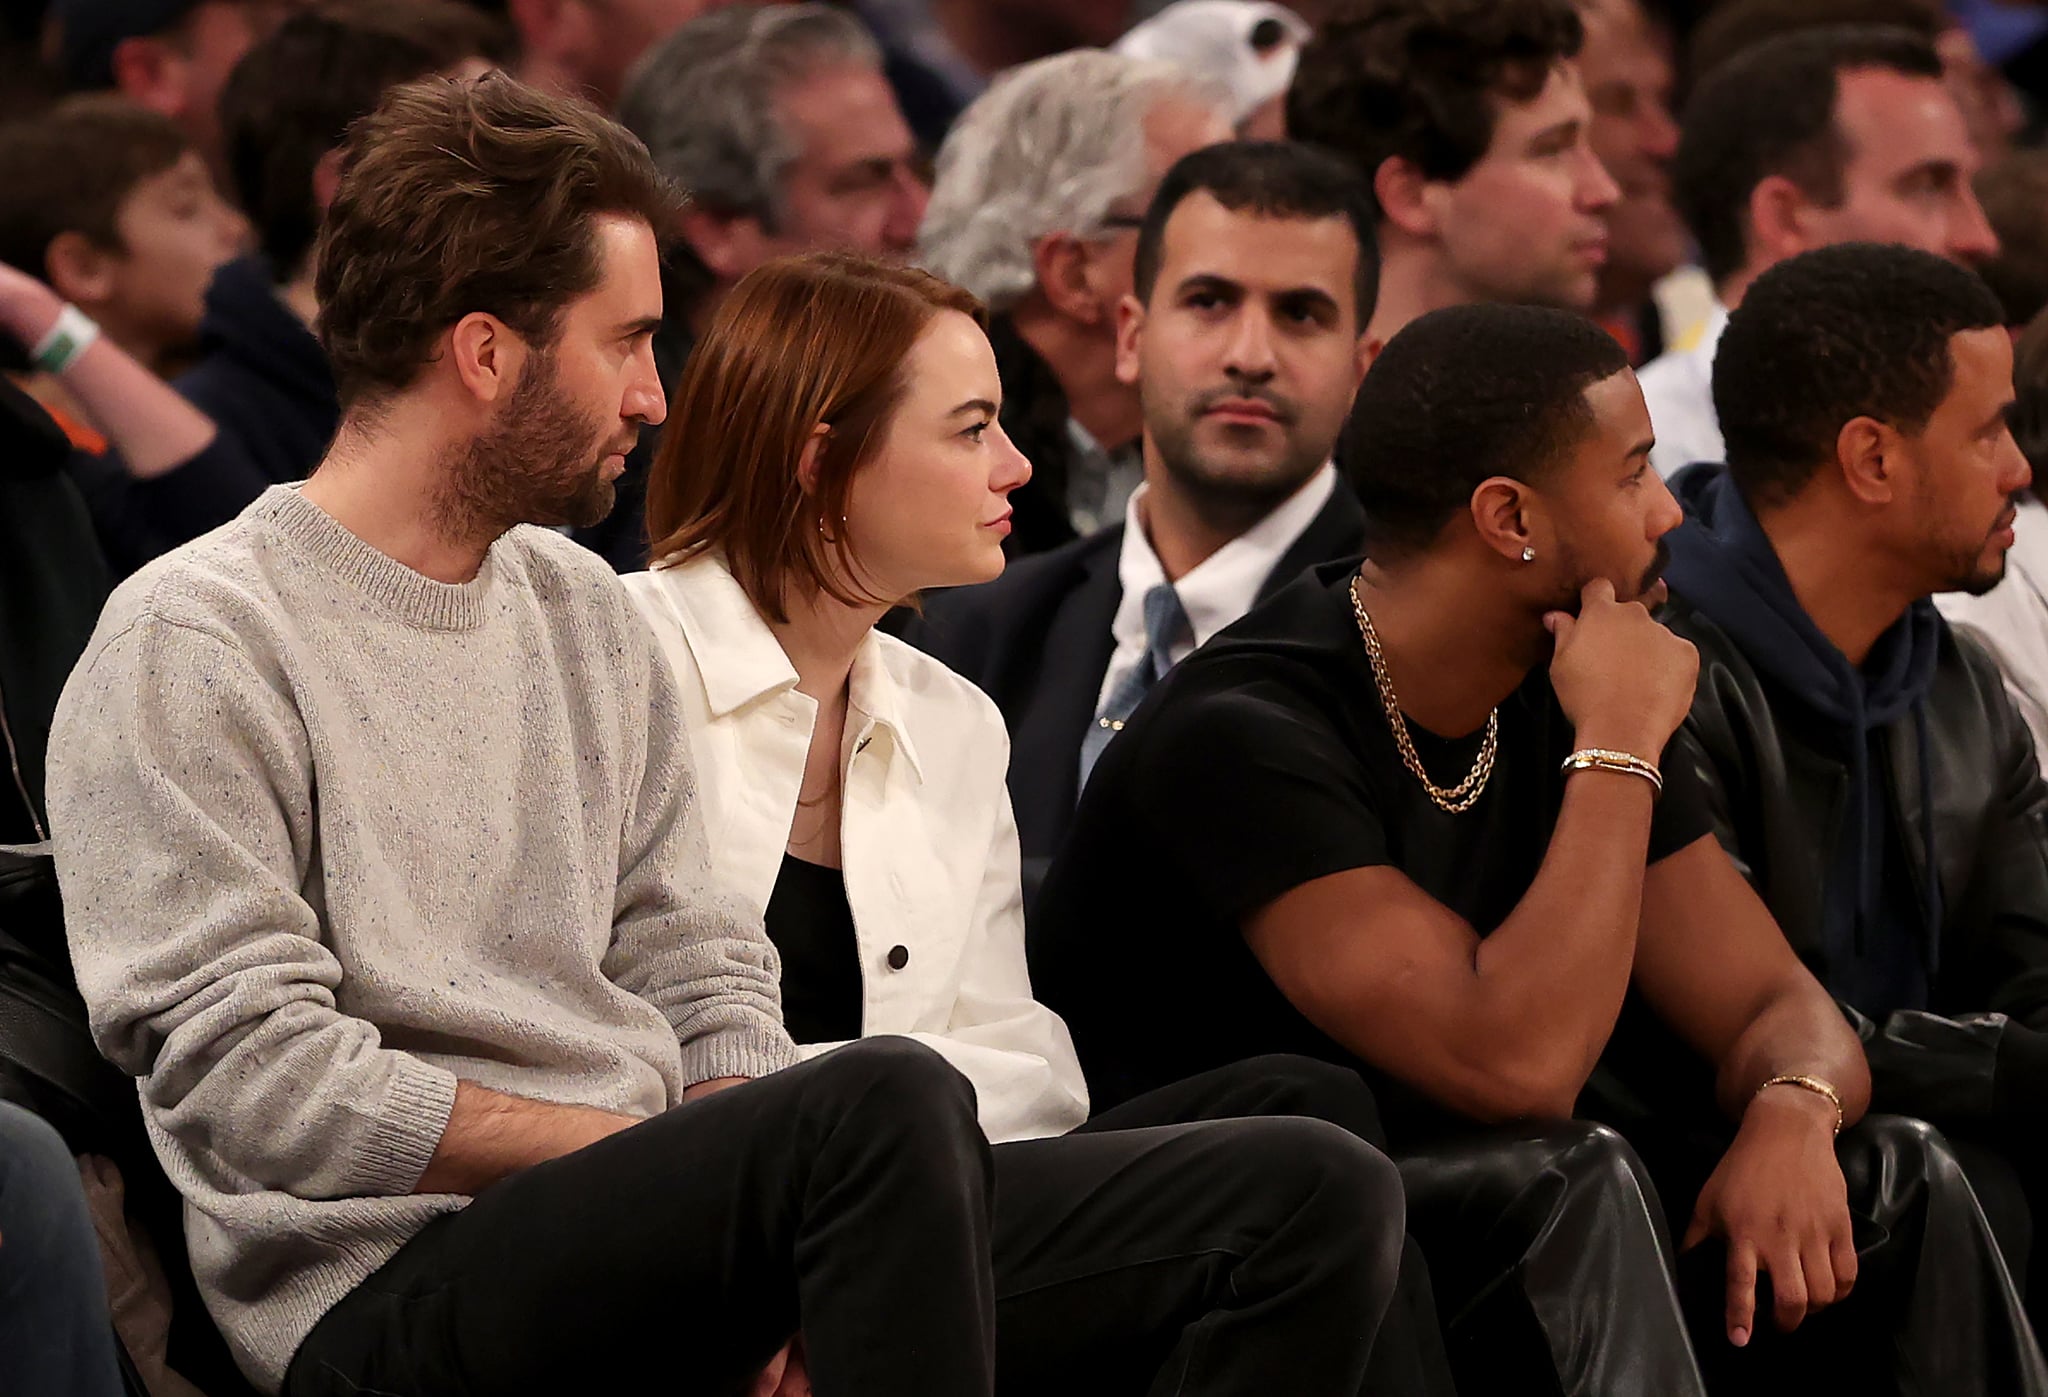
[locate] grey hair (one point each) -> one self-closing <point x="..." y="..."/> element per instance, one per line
<point x="703" y="98"/>
<point x="1047" y="149"/>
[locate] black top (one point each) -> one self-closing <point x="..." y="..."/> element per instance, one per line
<point x="1263" y="762"/>
<point x="811" y="925"/>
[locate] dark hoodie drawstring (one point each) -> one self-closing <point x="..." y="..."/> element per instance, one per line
<point x="1930" y="897"/>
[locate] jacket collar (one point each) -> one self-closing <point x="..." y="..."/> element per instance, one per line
<point x="742" y="662"/>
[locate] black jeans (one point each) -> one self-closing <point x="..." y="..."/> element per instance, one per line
<point x="848" y="1197"/>
<point x="1551" y="1263"/>
<point x="1205" y="1238"/>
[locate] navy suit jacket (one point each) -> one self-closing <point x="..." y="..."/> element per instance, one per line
<point x="1037" y="640"/>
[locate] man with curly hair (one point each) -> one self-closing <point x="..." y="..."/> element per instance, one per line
<point x="1470" y="120"/>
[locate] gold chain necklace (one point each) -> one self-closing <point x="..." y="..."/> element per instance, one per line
<point x="1454" y="800"/>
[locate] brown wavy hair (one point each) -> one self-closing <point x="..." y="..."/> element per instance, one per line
<point x="820" y="338"/>
<point x="462" y="197"/>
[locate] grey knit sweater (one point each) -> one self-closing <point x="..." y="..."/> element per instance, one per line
<point x="332" y="835"/>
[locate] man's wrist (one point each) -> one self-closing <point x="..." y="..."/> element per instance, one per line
<point x="1617" y="736"/>
<point x="1786" y="1099"/>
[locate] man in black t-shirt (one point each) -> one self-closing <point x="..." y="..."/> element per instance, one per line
<point x="1264" y="862"/>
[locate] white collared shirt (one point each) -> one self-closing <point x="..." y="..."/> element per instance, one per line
<point x="1215" y="592"/>
<point x="928" y="845"/>
<point x="1678" y="388"/>
<point x="2011" y="620"/>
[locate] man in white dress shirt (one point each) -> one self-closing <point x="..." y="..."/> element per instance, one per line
<point x="1255" y="279"/>
<point x="1832" y="135"/>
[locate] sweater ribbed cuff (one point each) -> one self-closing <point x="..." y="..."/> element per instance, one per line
<point x="409" y="1124"/>
<point x="754" y="1047"/>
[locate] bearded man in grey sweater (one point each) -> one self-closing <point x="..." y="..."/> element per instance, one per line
<point x="386" y="879"/>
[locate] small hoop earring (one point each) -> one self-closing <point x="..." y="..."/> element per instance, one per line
<point x="1528" y="555"/>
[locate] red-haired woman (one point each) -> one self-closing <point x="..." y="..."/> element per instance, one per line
<point x="834" y="450"/>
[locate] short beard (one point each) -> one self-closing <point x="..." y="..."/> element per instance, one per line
<point x="1227" y="500"/>
<point x="538" y="462"/>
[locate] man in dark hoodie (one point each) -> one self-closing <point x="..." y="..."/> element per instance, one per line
<point x="263" y="378"/>
<point x="1869" y="773"/>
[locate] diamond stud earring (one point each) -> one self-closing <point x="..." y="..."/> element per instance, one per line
<point x="1528" y="555"/>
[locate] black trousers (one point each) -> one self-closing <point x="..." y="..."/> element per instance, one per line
<point x="848" y="1197"/>
<point x="1551" y="1263"/>
<point x="1232" y="1233"/>
<point x="1934" y="1312"/>
<point x="841" y="1199"/>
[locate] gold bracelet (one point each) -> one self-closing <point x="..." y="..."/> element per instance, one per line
<point x="1820" y="1086"/>
<point x="1606" y="759"/>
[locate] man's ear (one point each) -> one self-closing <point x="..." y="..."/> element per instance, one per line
<point x="1870" y="455"/>
<point x="1065" y="279"/>
<point x="79" y="270"/>
<point x="1504" y="515"/>
<point x="728" y="245"/>
<point x="1777" y="221"/>
<point x="1404" y="198"/>
<point x="1130" y="337"/>
<point x="150" y="72"/>
<point x="486" y="355"/>
<point x="326" y="180"/>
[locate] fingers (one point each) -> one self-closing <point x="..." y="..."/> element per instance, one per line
<point x="1842" y="1252"/>
<point x="1822" y="1289"/>
<point x="1788" y="1286"/>
<point x="1559" y="624"/>
<point x="1598" y="590"/>
<point x="1741" y="1292"/>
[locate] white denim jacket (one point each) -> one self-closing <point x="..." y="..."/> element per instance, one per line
<point x="928" y="843"/>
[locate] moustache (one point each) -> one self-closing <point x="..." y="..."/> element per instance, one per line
<point x="1283" y="410"/>
<point x="1655" y="572"/>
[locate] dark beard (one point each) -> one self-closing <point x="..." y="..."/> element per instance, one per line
<point x="538" y="462"/>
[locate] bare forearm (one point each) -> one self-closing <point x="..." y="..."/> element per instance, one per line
<point x="146" y="419"/>
<point x="1798" y="1032"/>
<point x="491" y="1135"/>
<point x="1550" y="979"/>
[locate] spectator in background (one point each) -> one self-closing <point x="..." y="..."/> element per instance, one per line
<point x="1250" y="47"/>
<point x="110" y="206"/>
<point x="262" y="376"/>
<point x="52" y="585"/>
<point x="1626" y="62"/>
<point x="587" y="48"/>
<point x="1242" y="340"/>
<point x="1470" y="121"/>
<point x="942" y="54"/>
<point x="778" y="122"/>
<point x="2014" y="192"/>
<point x="1991" y="111"/>
<point x="1821" y="137"/>
<point x="1040" y="192"/>
<point x="172" y="56"/>
<point x="2011" y="619"/>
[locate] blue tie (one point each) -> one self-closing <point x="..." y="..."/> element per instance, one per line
<point x="1166" y="623"/>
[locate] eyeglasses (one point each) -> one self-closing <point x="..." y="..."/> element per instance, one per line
<point x="1122" y="220"/>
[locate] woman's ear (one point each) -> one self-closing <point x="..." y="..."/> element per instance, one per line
<point x="807" y="464"/>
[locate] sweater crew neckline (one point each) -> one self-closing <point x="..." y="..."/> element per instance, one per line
<point x="412" y="596"/>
